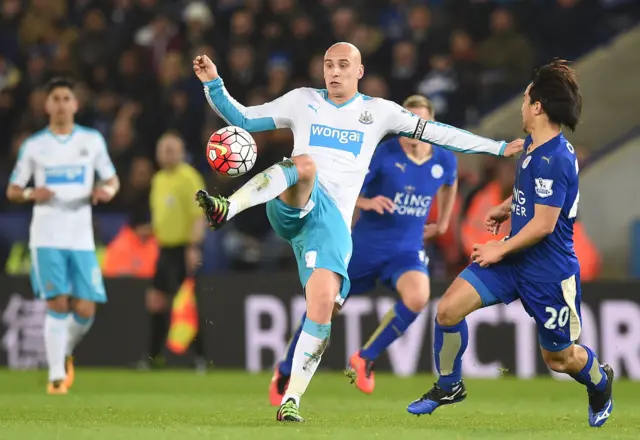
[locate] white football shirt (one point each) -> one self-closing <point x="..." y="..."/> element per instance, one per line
<point x="67" y="166"/>
<point x="341" y="139"/>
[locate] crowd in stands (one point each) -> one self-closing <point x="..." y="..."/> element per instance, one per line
<point x="132" y="62"/>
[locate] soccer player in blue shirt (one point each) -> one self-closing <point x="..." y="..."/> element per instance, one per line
<point x="388" y="239"/>
<point x="536" y="263"/>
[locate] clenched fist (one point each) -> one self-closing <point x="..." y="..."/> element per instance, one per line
<point x="204" y="68"/>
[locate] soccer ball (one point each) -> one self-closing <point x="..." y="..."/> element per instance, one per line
<point x="231" y="151"/>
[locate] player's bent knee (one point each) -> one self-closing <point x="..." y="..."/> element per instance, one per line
<point x="447" y="315"/>
<point x="559" y="361"/>
<point x="321" y="290"/>
<point x="59" y="304"/>
<point x="306" y="167"/>
<point x="413" y="288"/>
<point x="84" y="308"/>
<point x="459" y="300"/>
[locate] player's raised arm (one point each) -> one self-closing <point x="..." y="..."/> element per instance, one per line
<point x="407" y="124"/>
<point x="269" y="116"/>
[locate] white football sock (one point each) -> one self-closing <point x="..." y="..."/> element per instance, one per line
<point x="55" y="342"/>
<point x="263" y="187"/>
<point x="306" y="358"/>
<point x="77" y="328"/>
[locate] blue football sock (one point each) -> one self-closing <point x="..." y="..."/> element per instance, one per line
<point x="592" y="375"/>
<point x="287" y="362"/>
<point x="393" y="325"/>
<point x="448" y="347"/>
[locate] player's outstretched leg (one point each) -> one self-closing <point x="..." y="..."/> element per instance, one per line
<point x="263" y="187"/>
<point x="78" y="324"/>
<point x="321" y="290"/>
<point x="282" y="372"/>
<point x="55" y="342"/>
<point x="581" y="363"/>
<point x="413" y="288"/>
<point x="451" y="336"/>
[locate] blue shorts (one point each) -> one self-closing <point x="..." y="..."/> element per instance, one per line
<point x="555" y="306"/>
<point x="318" y="235"/>
<point x="57" y="272"/>
<point x="366" y="268"/>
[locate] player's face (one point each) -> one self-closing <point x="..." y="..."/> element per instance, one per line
<point x="528" y="111"/>
<point x="170" y="152"/>
<point x="61" y="105"/>
<point x="342" y="71"/>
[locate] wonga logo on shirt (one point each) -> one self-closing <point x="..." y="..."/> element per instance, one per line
<point x="64" y="175"/>
<point x="336" y="138"/>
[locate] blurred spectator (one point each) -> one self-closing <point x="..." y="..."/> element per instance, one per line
<point x="420" y="30"/>
<point x="133" y="252"/>
<point x="489" y="194"/>
<point x="90" y="48"/>
<point x="405" y="70"/>
<point x="343" y="21"/>
<point x="567" y="27"/>
<point x="158" y="37"/>
<point x="467" y="67"/>
<point x="507" y="56"/>
<point x="374" y="85"/>
<point x="442" y="87"/>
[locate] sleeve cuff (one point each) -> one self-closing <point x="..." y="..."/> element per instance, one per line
<point x="504" y="147"/>
<point x="215" y="83"/>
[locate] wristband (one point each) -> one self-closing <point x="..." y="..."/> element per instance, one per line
<point x="109" y="190"/>
<point x="27" y="193"/>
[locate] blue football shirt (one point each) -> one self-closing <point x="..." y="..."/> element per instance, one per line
<point x="547" y="176"/>
<point x="412" y="187"/>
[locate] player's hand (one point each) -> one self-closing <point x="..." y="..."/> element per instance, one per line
<point x="514" y="147"/>
<point x="488" y="253"/>
<point x="204" y="68"/>
<point x="101" y="195"/>
<point x="431" y="231"/>
<point x="379" y="204"/>
<point x="41" y="194"/>
<point x="193" y="259"/>
<point x="495" y="218"/>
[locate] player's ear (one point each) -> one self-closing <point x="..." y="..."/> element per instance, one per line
<point x="537" y="108"/>
<point x="75" y="105"/>
<point x="360" y="71"/>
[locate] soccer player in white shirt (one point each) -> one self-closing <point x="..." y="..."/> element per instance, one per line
<point x="62" y="159"/>
<point x="311" y="197"/>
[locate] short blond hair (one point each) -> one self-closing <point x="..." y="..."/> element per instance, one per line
<point x="418" y="101"/>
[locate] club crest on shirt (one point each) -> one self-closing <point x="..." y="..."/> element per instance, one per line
<point x="437" y="171"/>
<point x="525" y="164"/>
<point x="84" y="152"/>
<point x="366" y="118"/>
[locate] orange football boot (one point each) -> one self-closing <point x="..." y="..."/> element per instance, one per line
<point x="56" y="387"/>
<point x="278" y="387"/>
<point x="360" y="371"/>
<point x="71" y="375"/>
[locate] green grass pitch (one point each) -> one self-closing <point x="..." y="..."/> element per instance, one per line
<point x="180" y="405"/>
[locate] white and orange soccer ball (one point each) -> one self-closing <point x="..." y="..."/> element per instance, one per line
<point x="231" y="151"/>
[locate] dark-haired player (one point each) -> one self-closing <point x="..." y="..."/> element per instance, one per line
<point x="62" y="160"/>
<point x="536" y="263"/>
